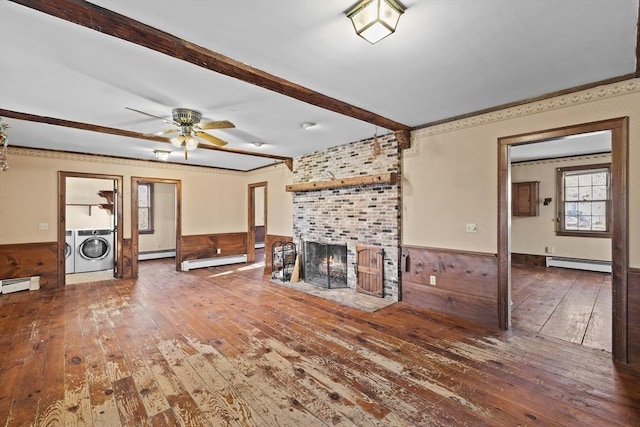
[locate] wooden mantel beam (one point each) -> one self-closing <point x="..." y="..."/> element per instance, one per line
<point x="382" y="178"/>
<point x="111" y="23"/>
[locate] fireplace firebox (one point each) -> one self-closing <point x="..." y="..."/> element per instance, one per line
<point x="325" y="265"/>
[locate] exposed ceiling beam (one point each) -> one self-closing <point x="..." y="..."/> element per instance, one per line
<point x="108" y="22"/>
<point x="122" y="132"/>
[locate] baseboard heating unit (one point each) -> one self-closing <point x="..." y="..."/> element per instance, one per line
<point x="20" y="284"/>
<point x="213" y="262"/>
<point x="579" y="264"/>
<point x="142" y="256"/>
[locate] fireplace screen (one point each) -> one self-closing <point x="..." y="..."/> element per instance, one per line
<point x="325" y="265"/>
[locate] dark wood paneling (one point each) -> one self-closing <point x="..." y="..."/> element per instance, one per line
<point x="207" y="245"/>
<point x="466" y="282"/>
<point x="126" y="259"/>
<point x="30" y="259"/>
<point x="470" y="307"/>
<point x="633" y="288"/>
<point x="529" y="260"/>
<point x="270" y="239"/>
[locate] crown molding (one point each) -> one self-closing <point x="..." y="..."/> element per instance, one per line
<point x="576" y="98"/>
<point x="93" y="158"/>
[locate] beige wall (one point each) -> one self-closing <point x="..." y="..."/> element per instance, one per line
<point x="531" y="235"/>
<point x="214" y="201"/>
<point x="83" y="203"/>
<point x="450" y="173"/>
<point x="259" y="206"/>
<point x="164" y="220"/>
<point x="279" y="202"/>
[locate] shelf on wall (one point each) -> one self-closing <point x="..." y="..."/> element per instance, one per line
<point x="381" y="178"/>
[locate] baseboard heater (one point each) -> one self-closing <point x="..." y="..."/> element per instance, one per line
<point x="579" y="264"/>
<point x="213" y="262"/>
<point x="20" y="284"/>
<point x="143" y="256"/>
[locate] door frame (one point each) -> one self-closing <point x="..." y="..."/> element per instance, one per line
<point x="251" y="219"/>
<point x="619" y="128"/>
<point x="135" y="244"/>
<point x="62" y="220"/>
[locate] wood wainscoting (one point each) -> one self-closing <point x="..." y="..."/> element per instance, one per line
<point x="466" y="282"/>
<point x="528" y="260"/>
<point x="269" y="240"/>
<point x="207" y="245"/>
<point x="30" y="259"/>
<point x="633" y="289"/>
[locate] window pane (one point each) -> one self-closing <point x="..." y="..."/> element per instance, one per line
<point x="599" y="223"/>
<point x="571" y="208"/>
<point x="599" y="208"/>
<point x="584" y="180"/>
<point x="571" y="222"/>
<point x="572" y="193"/>
<point x="585" y="193"/>
<point x="584" y="208"/>
<point x="600" y="192"/>
<point x="571" y="181"/>
<point x="584" y="223"/>
<point x="600" y="178"/>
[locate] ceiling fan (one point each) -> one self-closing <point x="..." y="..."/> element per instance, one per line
<point x="188" y="128"/>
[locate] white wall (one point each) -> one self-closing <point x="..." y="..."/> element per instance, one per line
<point x="83" y="204"/>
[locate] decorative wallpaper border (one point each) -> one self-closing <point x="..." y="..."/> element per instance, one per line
<point x="89" y="158"/>
<point x="581" y="97"/>
<point x="603" y="156"/>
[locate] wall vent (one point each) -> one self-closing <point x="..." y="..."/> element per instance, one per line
<point x="20" y="284"/>
<point x="213" y="262"/>
<point x="579" y="264"/>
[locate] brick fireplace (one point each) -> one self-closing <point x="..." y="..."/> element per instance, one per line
<point x="365" y="214"/>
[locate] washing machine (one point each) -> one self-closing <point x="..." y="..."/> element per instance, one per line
<point x="69" y="251"/>
<point x="94" y="250"/>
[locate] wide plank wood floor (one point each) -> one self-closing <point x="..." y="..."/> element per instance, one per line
<point x="209" y="349"/>
<point x="571" y="305"/>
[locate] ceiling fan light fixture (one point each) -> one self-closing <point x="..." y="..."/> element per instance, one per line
<point x="373" y="20"/>
<point x="162" y="154"/>
<point x="191" y="142"/>
<point x="177" y="141"/>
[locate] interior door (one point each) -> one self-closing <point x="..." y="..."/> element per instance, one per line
<point x="370" y="268"/>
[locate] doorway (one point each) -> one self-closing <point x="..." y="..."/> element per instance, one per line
<point x="89" y="238"/>
<point x="143" y="216"/>
<point x="257" y="221"/>
<point x="619" y="221"/>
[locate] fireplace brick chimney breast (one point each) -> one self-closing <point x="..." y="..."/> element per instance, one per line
<point x="368" y="215"/>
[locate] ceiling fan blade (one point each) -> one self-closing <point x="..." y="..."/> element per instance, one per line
<point x="210" y="139"/>
<point x="171" y="122"/>
<point x="220" y="124"/>
<point x="165" y="132"/>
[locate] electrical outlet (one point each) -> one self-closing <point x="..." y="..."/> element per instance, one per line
<point x="471" y="228"/>
<point x="218" y="251"/>
<point x="548" y="249"/>
<point x="43" y="226"/>
<point x="432" y="280"/>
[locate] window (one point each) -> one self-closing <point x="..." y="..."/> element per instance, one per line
<point x="584" y="201"/>
<point x="145" y="208"/>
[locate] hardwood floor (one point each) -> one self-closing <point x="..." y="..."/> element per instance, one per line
<point x="571" y="305"/>
<point x="205" y="348"/>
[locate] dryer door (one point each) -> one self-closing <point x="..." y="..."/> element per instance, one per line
<point x="94" y="249"/>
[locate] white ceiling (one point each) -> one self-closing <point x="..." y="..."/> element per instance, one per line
<point x="447" y="58"/>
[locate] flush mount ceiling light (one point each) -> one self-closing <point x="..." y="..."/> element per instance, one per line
<point x="374" y="20"/>
<point x="258" y="143"/>
<point x="162" y="155"/>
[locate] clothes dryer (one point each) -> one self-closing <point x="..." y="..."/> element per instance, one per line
<point x="69" y="251"/>
<point x="94" y="250"/>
